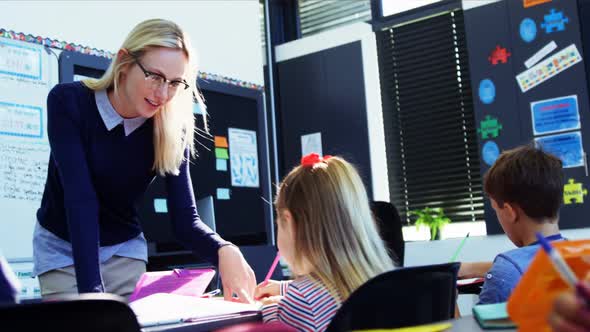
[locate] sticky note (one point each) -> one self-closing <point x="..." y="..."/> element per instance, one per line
<point x="197" y="109"/>
<point x="221" y="165"/>
<point x="223" y="193"/>
<point x="220" y="142"/>
<point x="160" y="205"/>
<point x="221" y="153"/>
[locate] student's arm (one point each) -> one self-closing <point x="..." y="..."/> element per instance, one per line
<point x="294" y="309"/>
<point x="271" y="288"/>
<point x="81" y="204"/>
<point x="270" y="308"/>
<point x="474" y="270"/>
<point x="499" y="281"/>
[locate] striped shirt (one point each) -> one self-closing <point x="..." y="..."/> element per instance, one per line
<point x="307" y="305"/>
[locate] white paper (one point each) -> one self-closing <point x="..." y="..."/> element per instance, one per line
<point x="161" y="308"/>
<point x="27" y="73"/>
<point x="311" y="143"/>
<point x="548" y="68"/>
<point x="243" y="158"/>
<point x="541" y="54"/>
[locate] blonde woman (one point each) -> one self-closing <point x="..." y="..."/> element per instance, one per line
<point x="328" y="238"/>
<point x="109" y="138"/>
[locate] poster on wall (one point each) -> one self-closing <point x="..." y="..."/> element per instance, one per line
<point x="555" y="115"/>
<point x="311" y="143"/>
<point x="567" y="147"/>
<point x="243" y="158"/>
<point x="27" y="73"/>
<point x="548" y="68"/>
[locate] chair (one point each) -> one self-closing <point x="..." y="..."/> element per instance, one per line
<point x="259" y="327"/>
<point x="86" y="312"/>
<point x="398" y="298"/>
<point x="390" y="227"/>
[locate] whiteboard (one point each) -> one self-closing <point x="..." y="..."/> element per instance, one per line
<point x="27" y="74"/>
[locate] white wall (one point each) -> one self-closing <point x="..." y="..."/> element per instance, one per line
<point x="391" y="7"/>
<point x="477" y="248"/>
<point x="340" y="36"/>
<point x="468" y="4"/>
<point x="226" y="33"/>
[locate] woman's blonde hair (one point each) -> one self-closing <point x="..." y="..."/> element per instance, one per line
<point x="174" y="123"/>
<point x="335" y="231"/>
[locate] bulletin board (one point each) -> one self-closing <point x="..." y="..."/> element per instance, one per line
<point x="529" y="85"/>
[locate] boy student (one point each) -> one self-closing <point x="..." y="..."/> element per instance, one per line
<point x="525" y="187"/>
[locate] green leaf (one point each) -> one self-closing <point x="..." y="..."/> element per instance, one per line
<point x="433" y="218"/>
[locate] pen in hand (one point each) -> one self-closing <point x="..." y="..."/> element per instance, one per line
<point x="271" y="270"/>
<point x="211" y="293"/>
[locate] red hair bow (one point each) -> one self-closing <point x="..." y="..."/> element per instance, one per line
<point x="312" y="159"/>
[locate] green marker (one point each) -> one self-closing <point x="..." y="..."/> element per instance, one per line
<point x="459" y="248"/>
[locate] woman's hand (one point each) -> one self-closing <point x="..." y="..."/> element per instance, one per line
<point x="267" y="289"/>
<point x="236" y="275"/>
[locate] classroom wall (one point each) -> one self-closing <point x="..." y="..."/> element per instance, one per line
<point x="226" y="33"/>
<point x="477" y="248"/>
<point x="468" y="4"/>
<point x="345" y="35"/>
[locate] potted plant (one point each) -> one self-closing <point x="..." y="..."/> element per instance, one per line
<point x="434" y="219"/>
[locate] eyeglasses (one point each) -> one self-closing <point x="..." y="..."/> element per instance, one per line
<point x="155" y="81"/>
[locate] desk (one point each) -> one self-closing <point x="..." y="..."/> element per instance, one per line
<point x="463" y="324"/>
<point x="469" y="324"/>
<point x="206" y="325"/>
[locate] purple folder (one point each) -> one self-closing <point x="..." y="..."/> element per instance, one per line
<point x="178" y="281"/>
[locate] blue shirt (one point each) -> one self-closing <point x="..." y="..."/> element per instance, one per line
<point x="506" y="272"/>
<point x="96" y="179"/>
<point x="51" y="252"/>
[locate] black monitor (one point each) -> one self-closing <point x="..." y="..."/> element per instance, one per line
<point x="74" y="66"/>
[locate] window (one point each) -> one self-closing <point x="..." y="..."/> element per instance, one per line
<point x="431" y="143"/>
<point x="320" y="15"/>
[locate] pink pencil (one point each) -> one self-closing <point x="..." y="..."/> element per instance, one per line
<point x="272" y="269"/>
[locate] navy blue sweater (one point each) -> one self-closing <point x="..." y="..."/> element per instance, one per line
<point x="96" y="179"/>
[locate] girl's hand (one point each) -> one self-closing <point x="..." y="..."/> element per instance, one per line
<point x="267" y="289"/>
<point x="271" y="300"/>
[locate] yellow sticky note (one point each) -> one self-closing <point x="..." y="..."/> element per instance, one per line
<point x="221" y="153"/>
<point x="422" y="328"/>
<point x="221" y="142"/>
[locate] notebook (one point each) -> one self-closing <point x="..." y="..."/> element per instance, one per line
<point x="492" y="316"/>
<point x="189" y="282"/>
<point x="162" y="309"/>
